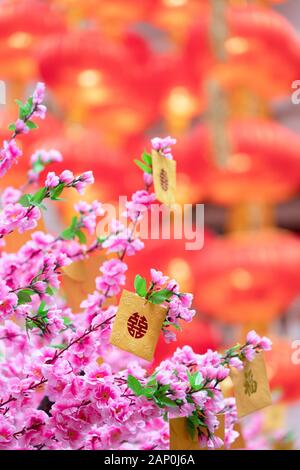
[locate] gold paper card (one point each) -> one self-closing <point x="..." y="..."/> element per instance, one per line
<point x="251" y="386"/>
<point x="137" y="325"/>
<point x="164" y="178"/>
<point x="79" y="279"/>
<point x="239" y="442"/>
<point x="180" y="439"/>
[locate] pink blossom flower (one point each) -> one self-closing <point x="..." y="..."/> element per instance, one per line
<point x="52" y="180"/>
<point x="163" y="146"/>
<point x="6" y="431"/>
<point x="249" y="353"/>
<point x="10" y="195"/>
<point x="8" y="300"/>
<point x="104" y="394"/>
<point x="83" y="181"/>
<point x="265" y="344"/>
<point x="158" y="278"/>
<point x="236" y="362"/>
<point x="21" y="127"/>
<point x="46" y="156"/>
<point x="169" y="336"/>
<point x="113" y="276"/>
<point x="40" y="111"/>
<point x="39" y="93"/>
<point x="8" y="155"/>
<point x="252" y="338"/>
<point x="66" y="177"/>
<point x="148" y="179"/>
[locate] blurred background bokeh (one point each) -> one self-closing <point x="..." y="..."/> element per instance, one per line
<point x="217" y="75"/>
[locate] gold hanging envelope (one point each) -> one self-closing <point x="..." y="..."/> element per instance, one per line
<point x="274" y="418"/>
<point x="239" y="442"/>
<point x="164" y="178"/>
<point x="137" y="325"/>
<point x="251" y="386"/>
<point x="79" y="279"/>
<point x="180" y="439"/>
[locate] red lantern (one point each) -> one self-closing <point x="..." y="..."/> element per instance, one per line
<point x="263" y="164"/>
<point x="248" y="277"/>
<point x="284" y="372"/>
<point x="199" y="335"/>
<point x="83" y="150"/>
<point x="259" y="39"/>
<point x="22" y="24"/>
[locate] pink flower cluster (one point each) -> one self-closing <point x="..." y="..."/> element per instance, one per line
<point x="9" y="155"/>
<point x="15" y="216"/>
<point x="69" y="180"/>
<point x="60" y="387"/>
<point x="253" y="343"/>
<point x="163" y="146"/>
<point x="113" y="277"/>
<point x="88" y="214"/>
<point x="178" y="305"/>
<point x="40" y="159"/>
<point x="121" y="240"/>
<point x="140" y="203"/>
<point x="10" y="152"/>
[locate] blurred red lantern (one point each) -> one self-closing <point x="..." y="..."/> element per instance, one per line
<point x="258" y="39"/>
<point x="248" y="277"/>
<point x="284" y="373"/>
<point x="116" y="85"/>
<point x="22" y="24"/>
<point x="83" y="150"/>
<point x="199" y="335"/>
<point x="263" y="164"/>
<point x="169" y="256"/>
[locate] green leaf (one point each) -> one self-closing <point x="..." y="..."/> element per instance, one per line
<point x="198" y="379"/>
<point x="81" y="236"/>
<point x="169" y="323"/>
<point x="134" y="385"/>
<point x="41" y="307"/>
<point x="25" y="200"/>
<point x="31" y="125"/>
<point x="24" y="296"/>
<point x="29" y="291"/>
<point x="67" y="321"/>
<point x="58" y="346"/>
<point x="30" y="325"/>
<point x="19" y="102"/>
<point x="152" y="383"/>
<point x="160" y="296"/>
<point x="143" y="167"/>
<point x="39" y="196"/>
<point x="12" y="127"/>
<point x="167" y="402"/>
<point x="101" y="240"/>
<point x="147" y="158"/>
<point x="140" y="285"/>
<point x="50" y="291"/>
<point x="163" y="389"/>
<point x="56" y="192"/>
<point x="38" y="166"/>
<point x="148" y="392"/>
<point x="67" y="234"/>
<point x="74" y="222"/>
<point x="195" y="380"/>
<point x="191" y="427"/>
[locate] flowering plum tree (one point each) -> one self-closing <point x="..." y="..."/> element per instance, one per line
<point x="62" y="385"/>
